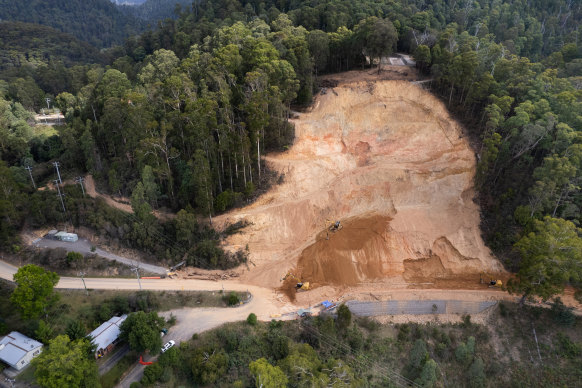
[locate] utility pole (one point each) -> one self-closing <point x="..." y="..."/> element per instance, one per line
<point x="30" y="173"/>
<point x="48" y="100"/>
<point x="136" y="270"/>
<point x="82" y="275"/>
<point x="60" y="195"/>
<point x="57" y="164"/>
<point x="80" y="181"/>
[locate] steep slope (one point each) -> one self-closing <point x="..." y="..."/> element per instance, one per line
<point x="387" y="160"/>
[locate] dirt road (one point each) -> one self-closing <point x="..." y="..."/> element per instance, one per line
<point x="84" y="246"/>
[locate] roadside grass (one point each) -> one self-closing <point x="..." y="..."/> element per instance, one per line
<point x="97" y="306"/>
<point x="113" y="376"/>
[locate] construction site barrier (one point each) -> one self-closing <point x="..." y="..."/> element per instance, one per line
<point x="151" y="277"/>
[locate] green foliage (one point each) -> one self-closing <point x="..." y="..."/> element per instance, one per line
<point x="152" y="373"/>
<point x="74" y="259"/>
<point x="44" y="333"/>
<point x="208" y="365"/>
<point x="428" y="376"/>
<point x="566" y="347"/>
<point x="252" y="319"/>
<point x="417" y="360"/>
<point x="267" y="375"/>
<point x="110" y="26"/>
<point x="34" y="294"/>
<point x="142" y="331"/>
<point x="550" y="257"/>
<point x="562" y="314"/>
<point x="465" y="351"/>
<point x="75" y="330"/>
<point x="344" y="317"/>
<point x="65" y="364"/>
<point x="231" y="299"/>
<point x="476" y="374"/>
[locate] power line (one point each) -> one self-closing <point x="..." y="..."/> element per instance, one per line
<point x="57" y="164"/>
<point x="60" y="195"/>
<point x="30" y="173"/>
<point x="80" y="181"/>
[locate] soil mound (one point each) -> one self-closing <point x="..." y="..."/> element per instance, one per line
<point x="387" y="160"/>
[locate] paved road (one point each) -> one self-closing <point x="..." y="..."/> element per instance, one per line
<point x="84" y="246"/>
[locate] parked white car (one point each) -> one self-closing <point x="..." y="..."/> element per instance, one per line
<point x="168" y="345"/>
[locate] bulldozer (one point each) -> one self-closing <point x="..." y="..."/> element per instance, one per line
<point x="492" y="281"/>
<point x="332" y="227"/>
<point x="300" y="286"/>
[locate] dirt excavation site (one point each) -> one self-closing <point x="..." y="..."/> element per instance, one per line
<point x="385" y="158"/>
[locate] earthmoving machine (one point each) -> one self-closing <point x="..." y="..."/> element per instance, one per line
<point x="492" y="281"/>
<point x="300" y="286"/>
<point x="332" y="227"/>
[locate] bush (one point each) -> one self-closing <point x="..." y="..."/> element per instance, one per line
<point x="403" y="332"/>
<point x="562" y="314"/>
<point x="464" y="352"/>
<point x="344" y="317"/>
<point x="252" y="319"/>
<point x="152" y="373"/>
<point x="476" y="374"/>
<point x="231" y="299"/>
<point x="567" y="348"/>
<point x="503" y="309"/>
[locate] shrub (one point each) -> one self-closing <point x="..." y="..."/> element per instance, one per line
<point x="428" y="375"/>
<point x="503" y="309"/>
<point x="476" y="374"/>
<point x="231" y="299"/>
<point x="567" y="348"/>
<point x="152" y="373"/>
<point x="344" y="317"/>
<point x="252" y="319"/>
<point x="403" y="332"/>
<point x="562" y="314"/>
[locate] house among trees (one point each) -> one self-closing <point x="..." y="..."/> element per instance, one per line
<point x="106" y="336"/>
<point x="17" y="350"/>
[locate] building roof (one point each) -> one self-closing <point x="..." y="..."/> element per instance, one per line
<point x="107" y="332"/>
<point x="15" y="346"/>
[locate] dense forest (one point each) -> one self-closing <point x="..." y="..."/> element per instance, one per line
<point x="98" y="22"/>
<point x="181" y="116"/>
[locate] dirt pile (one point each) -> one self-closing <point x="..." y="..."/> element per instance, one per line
<point x="387" y="160"/>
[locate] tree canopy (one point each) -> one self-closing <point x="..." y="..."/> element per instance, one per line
<point x="65" y="363"/>
<point x="34" y="290"/>
<point x="142" y="331"/>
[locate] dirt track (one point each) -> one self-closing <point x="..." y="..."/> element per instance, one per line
<point x="387" y="160"/>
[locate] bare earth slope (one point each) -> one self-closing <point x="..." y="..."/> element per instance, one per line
<point x="387" y="160"/>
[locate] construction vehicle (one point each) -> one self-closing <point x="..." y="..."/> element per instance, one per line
<point x="300" y="286"/>
<point x="332" y="227"/>
<point x="492" y="281"/>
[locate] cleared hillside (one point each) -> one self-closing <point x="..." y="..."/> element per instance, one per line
<point x="387" y="160"/>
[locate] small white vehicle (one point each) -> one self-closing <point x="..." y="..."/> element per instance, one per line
<point x="167" y="346"/>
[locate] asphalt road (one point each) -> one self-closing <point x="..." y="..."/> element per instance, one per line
<point x="84" y="246"/>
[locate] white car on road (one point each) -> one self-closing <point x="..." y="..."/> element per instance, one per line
<point x="168" y="345"/>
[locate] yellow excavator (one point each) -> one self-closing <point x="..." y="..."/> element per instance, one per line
<point x="333" y="227"/>
<point x="300" y="286"/>
<point x="492" y="281"/>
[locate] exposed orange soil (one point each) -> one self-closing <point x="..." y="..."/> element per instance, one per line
<point x="387" y="160"/>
